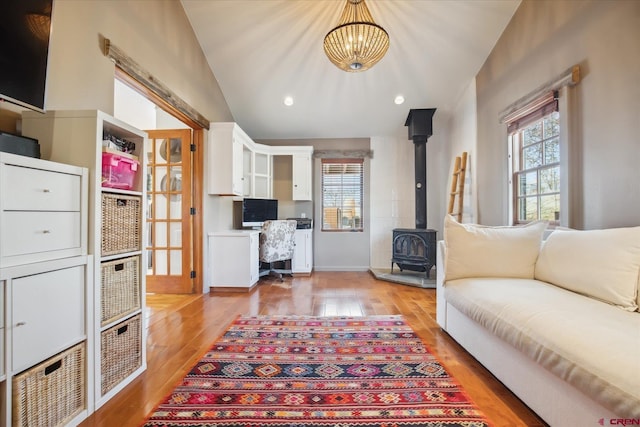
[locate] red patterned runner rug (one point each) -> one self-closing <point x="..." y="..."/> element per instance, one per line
<point x="298" y="371"/>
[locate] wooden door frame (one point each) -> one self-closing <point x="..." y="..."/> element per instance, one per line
<point x="197" y="170"/>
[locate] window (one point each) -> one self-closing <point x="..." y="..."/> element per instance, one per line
<point x="534" y="135"/>
<point x="342" y="194"/>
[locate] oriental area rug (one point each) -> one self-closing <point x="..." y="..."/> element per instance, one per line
<point x="299" y="371"/>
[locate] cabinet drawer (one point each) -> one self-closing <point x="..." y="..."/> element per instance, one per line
<point x="47" y="315"/>
<point x="26" y="189"/>
<point x="32" y="232"/>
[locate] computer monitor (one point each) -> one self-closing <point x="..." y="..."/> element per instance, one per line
<point x="256" y="211"/>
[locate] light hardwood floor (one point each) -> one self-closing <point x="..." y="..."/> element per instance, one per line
<point x="183" y="327"/>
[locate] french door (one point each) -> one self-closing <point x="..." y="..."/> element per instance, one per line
<point x="169" y="214"/>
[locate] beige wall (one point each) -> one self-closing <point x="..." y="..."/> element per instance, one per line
<point x="544" y="38"/>
<point x="463" y="128"/>
<point x="158" y="36"/>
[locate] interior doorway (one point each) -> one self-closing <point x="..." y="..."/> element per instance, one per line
<point x="174" y="219"/>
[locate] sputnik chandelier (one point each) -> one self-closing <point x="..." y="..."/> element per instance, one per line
<point x="357" y="43"/>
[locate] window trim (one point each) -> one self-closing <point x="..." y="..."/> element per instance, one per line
<point x="518" y="169"/>
<point x="530" y="113"/>
<point x="359" y="161"/>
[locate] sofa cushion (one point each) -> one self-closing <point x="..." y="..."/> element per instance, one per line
<point x="602" y="264"/>
<point x="591" y="345"/>
<point x="483" y="251"/>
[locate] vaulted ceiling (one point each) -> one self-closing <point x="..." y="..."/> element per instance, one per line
<point x="264" y="50"/>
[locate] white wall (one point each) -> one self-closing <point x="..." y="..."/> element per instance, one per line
<point x="133" y="108"/>
<point x="543" y="39"/>
<point x="340" y="251"/>
<point x="392" y="201"/>
<point x="393" y="184"/>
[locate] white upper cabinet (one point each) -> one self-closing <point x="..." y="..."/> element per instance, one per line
<point x="225" y="150"/>
<point x="238" y="166"/>
<point x="301" y="169"/>
<point x="301" y="177"/>
<point x="261" y="176"/>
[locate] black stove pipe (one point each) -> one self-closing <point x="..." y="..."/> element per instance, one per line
<point x="420" y="123"/>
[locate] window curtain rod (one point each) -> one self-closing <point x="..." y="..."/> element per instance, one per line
<point x="569" y="77"/>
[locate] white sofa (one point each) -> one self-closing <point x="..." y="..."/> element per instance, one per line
<point x="556" y="321"/>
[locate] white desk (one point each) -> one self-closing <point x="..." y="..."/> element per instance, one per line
<point x="234" y="258"/>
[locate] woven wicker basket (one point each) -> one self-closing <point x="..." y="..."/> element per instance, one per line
<point x="121" y="352"/>
<point x="120" y="288"/>
<point x="121" y="223"/>
<point x="51" y="393"/>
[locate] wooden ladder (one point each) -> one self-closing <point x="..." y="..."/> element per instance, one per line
<point x="457" y="185"/>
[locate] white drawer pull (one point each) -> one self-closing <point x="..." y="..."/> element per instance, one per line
<point x="20" y="324"/>
<point x="46" y="231"/>
<point x="46" y="190"/>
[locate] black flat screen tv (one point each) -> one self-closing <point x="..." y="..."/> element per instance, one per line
<point x="25" y="27"/>
<point x="257" y="211"/>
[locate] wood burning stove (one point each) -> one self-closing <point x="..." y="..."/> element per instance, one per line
<point x="415" y="248"/>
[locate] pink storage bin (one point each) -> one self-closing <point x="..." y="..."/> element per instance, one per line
<point x="118" y="171"/>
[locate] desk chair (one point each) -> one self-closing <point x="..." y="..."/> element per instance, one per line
<point x="276" y="246"/>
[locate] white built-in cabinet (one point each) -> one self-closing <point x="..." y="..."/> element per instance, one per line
<point x="46" y="293"/>
<point x="233" y="256"/>
<point x="257" y="172"/>
<point x="238" y="166"/>
<point x="302" y="167"/>
<point x="261" y="184"/>
<point x="302" y="189"/>
<point x="302" y="260"/>
<point x="226" y="159"/>
<point x="115" y="320"/>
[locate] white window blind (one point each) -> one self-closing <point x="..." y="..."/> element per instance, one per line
<point x="342" y="182"/>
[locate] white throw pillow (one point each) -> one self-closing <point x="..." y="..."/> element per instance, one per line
<point x="602" y="264"/>
<point x="474" y="250"/>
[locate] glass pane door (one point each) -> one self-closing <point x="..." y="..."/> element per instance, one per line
<point x="168" y="220"/>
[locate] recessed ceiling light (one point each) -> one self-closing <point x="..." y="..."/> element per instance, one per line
<point x="399" y="100"/>
<point x="288" y="101"/>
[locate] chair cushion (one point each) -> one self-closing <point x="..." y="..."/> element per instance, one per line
<point x="483" y="251"/>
